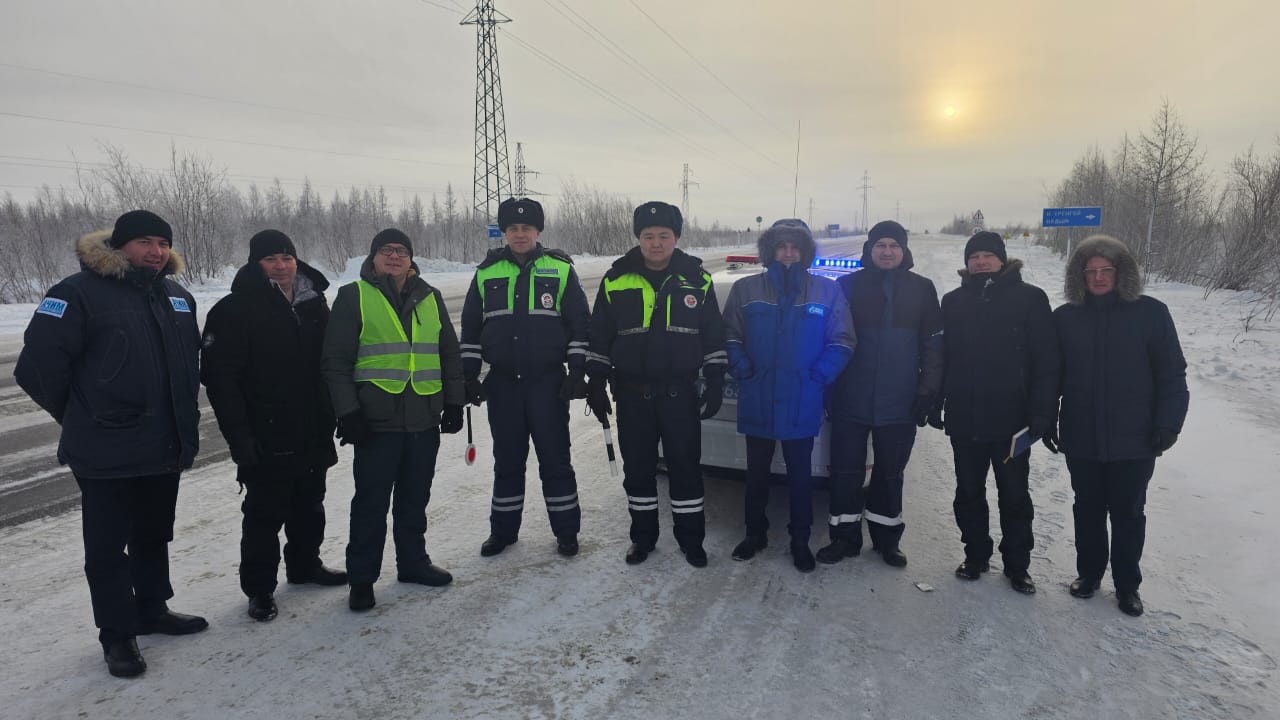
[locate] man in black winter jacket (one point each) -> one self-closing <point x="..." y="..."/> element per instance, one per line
<point x="112" y="353"/>
<point x="261" y="367"/>
<point x="1124" y="399"/>
<point x="526" y="314"/>
<point x="1000" y="373"/>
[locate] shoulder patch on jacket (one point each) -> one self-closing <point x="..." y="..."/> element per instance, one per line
<point x="53" y="307"/>
<point x="179" y="304"/>
<point x="815" y="309"/>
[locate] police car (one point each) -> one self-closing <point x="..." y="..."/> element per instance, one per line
<point x="723" y="447"/>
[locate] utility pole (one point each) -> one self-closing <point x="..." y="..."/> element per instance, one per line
<point x="864" y="187"/>
<point x="521" y="173"/>
<point x="810" y="213"/>
<point x="684" y="192"/>
<point x="897" y="211"/>
<point x="492" y="173"/>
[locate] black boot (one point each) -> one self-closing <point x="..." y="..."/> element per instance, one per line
<point x="262" y="607"/>
<point x="801" y="557"/>
<point x="972" y="569"/>
<point x="123" y="658"/>
<point x="168" y="622"/>
<point x="695" y="555"/>
<point x="566" y="545"/>
<point x="319" y="575"/>
<point x="1084" y="588"/>
<point x="361" y="597"/>
<point x="1130" y="603"/>
<point x="748" y="548"/>
<point x="426" y="574"/>
<point x="638" y="553"/>
<point x="838" y="550"/>
<point x="1021" y="581"/>
<point x="495" y="544"/>
<point x="894" y="557"/>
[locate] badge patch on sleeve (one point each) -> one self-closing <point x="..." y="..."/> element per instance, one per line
<point x="179" y="304"/>
<point x="52" y="306"/>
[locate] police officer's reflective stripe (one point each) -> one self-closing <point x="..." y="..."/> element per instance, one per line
<point x="681" y="329"/>
<point x="839" y="519"/>
<point x="496" y="313"/>
<point x="550" y="313"/>
<point x="562" y="503"/>
<point x="686" y="506"/>
<point x="882" y="520"/>
<point x="634" y="331"/>
<point x="471" y="351"/>
<point x="383" y="349"/>
<point x="718" y="357"/>
<point x="508" y="504"/>
<point x="366" y="374"/>
<point x="578" y="347"/>
<point x="642" y="504"/>
<point x="597" y="357"/>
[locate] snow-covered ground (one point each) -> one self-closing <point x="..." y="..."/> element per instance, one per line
<point x="531" y="634"/>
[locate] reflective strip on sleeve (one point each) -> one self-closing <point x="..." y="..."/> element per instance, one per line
<point x="882" y="520"/>
<point x="597" y="357"/>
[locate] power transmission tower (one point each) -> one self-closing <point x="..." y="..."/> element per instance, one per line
<point x="864" y="187"/>
<point x="522" y="172"/>
<point x="492" y="174"/>
<point x="684" y="192"/>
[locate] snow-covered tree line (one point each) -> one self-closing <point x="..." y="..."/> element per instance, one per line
<point x="1158" y="197"/>
<point x="213" y="220"/>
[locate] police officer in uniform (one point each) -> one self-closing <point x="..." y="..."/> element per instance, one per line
<point x="655" y="324"/>
<point x="526" y="315"/>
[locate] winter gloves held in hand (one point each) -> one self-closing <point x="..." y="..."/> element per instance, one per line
<point x="574" y="386"/>
<point x="922" y="407"/>
<point x="451" y="419"/>
<point x="1162" y="439"/>
<point x="353" y="428"/>
<point x="712" y="397"/>
<point x="473" y="391"/>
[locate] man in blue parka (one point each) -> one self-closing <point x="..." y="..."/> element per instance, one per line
<point x="886" y="392"/>
<point x="789" y="335"/>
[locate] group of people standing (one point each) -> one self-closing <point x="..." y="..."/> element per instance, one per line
<point x="114" y="354"/>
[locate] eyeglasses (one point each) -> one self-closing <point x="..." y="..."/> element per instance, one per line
<point x="396" y="250"/>
<point x="1100" y="272"/>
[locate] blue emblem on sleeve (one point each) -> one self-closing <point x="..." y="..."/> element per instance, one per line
<point x="179" y="304"/>
<point x="817" y="310"/>
<point x="53" y="307"/>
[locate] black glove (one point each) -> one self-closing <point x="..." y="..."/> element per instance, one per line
<point x="922" y="407"/>
<point x="353" y="428"/>
<point x="474" y="391"/>
<point x="244" y="450"/>
<point x="935" y="417"/>
<point x="1047" y="431"/>
<point x="1162" y="439"/>
<point x="598" y="398"/>
<point x="451" y="419"/>
<point x="574" y="386"/>
<point x="712" y="397"/>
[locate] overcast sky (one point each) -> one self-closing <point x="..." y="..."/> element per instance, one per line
<point x="382" y="92"/>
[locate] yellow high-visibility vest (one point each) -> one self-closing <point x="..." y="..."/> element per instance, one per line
<point x="386" y="357"/>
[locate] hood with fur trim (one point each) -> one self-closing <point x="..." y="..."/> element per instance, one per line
<point x="1128" y="276"/>
<point x="97" y="256"/>
<point x="774" y="236"/>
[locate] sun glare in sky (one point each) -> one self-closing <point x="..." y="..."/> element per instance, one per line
<point x="949" y="111"/>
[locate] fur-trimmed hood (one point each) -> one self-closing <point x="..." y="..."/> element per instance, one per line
<point x="1128" y="276"/>
<point x="98" y="257"/>
<point x="768" y="243"/>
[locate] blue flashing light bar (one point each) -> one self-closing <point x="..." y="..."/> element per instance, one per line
<point x="837" y="263"/>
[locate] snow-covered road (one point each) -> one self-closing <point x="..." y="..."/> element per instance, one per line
<point x="531" y="634"/>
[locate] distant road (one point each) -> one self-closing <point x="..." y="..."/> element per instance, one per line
<point x="32" y="483"/>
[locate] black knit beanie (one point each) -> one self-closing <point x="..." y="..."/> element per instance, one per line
<point x="139" y="223"/>
<point x="988" y="241"/>
<point x="523" y="211"/>
<point x="388" y="236"/>
<point x="888" y="229"/>
<point x="270" y="242"/>
<point x="657" y="214"/>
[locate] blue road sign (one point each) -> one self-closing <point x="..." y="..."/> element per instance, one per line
<point x="1072" y="217"/>
<point x="494" y="232"/>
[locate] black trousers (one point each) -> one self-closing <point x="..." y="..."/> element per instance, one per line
<point x="128" y="525"/>
<point x="647" y="416"/>
<point x="1117" y="489"/>
<point x="797" y="454"/>
<point x="274" y="499"/>
<point x="396" y="469"/>
<point x="519" y="410"/>
<point x="972" y="461"/>
<point x="880" y="502"/>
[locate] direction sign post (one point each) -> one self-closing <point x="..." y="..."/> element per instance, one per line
<point x="495" y="234"/>
<point x="1069" y="217"/>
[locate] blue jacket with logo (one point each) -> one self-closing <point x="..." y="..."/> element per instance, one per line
<point x="789" y="336"/>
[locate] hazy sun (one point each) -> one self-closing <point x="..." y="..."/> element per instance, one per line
<point x="949" y="111"/>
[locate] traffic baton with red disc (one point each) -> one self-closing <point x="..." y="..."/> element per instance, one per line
<point x="471" y="447"/>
